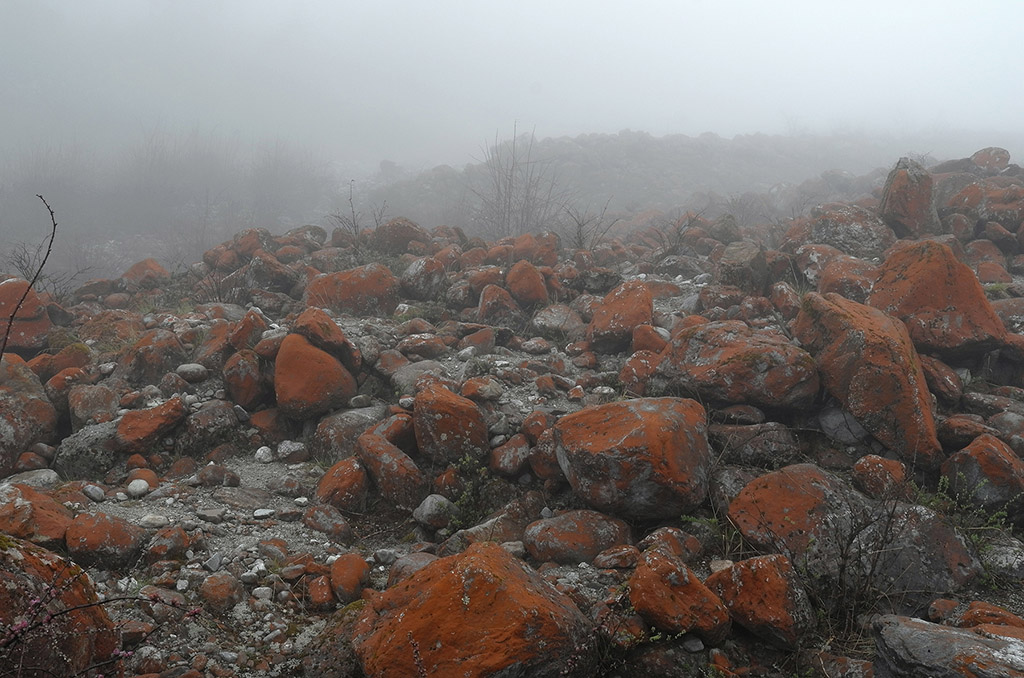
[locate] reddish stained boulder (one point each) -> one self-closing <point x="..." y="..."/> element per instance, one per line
<point x="848" y="276"/>
<point x="851" y="229"/>
<point x="139" y="430"/>
<point x="321" y="331"/>
<point x="309" y="381"/>
<point x="868" y="363"/>
<point x="28" y="514"/>
<point x="26" y="414"/>
<point x="147" y="273"/>
<point x="394" y="236"/>
<point x="526" y="284"/>
<point x="728" y="362"/>
<point x="344" y="486"/>
<point x="480" y="613"/>
<point x="991" y="159"/>
<point x="670" y="597"/>
<point x="497" y="306"/>
<point x="396" y="476"/>
<point x="908" y="204"/>
<point x="349" y="574"/>
<point x="643" y="459"/>
<point x="881" y="478"/>
<point x="574" y="537"/>
<point x="448" y="426"/>
<point x="104" y="541"/>
<point x="221" y="591"/>
<point x="79" y="635"/>
<point x="628" y="305"/>
<point x="940" y="301"/>
<point x="156" y="353"/>
<point x="763" y="595"/>
<point x="425" y="279"/>
<point x="31" y="326"/>
<point x="987" y="472"/>
<point x="368" y="290"/>
<point x="244" y="379"/>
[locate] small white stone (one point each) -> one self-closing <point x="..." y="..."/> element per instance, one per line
<point x="264" y="455"/>
<point x="263" y="593"/>
<point x="260" y="514"/>
<point x="94" y="492"/>
<point x="121" y="496"/>
<point x="154" y="520"/>
<point x="137" y="488"/>
<point x="302" y="501"/>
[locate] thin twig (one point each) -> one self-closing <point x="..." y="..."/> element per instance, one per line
<point x="35" y="277"/>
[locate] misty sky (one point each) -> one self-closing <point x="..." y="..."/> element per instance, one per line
<point x="429" y="82"/>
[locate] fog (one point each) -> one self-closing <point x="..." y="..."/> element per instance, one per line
<point x="349" y="84"/>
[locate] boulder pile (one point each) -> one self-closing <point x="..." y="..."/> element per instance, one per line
<point x="695" y="448"/>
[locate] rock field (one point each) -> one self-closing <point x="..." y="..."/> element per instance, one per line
<point x="698" y="448"/>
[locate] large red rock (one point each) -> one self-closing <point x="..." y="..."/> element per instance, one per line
<point x="628" y="305"/>
<point x="31" y="325"/>
<point x="344" y="485"/>
<point x="424" y="280"/>
<point x="868" y="363"/>
<point x="395" y="474"/>
<point x="670" y="597"/>
<point x="526" y="284"/>
<point x="480" y="613"/>
<point x="26" y="414"/>
<point x="244" y="379"/>
<point x="643" y="459"/>
<point x="574" y="537"/>
<point x="147" y="273"/>
<point x="28" y="514"/>
<point x="309" y="381"/>
<point x="939" y="299"/>
<point x="70" y="634"/>
<point x="104" y="541"/>
<point x="852" y="230"/>
<point x="394" y="236"/>
<point x="908" y="204"/>
<point x="139" y="430"/>
<point x="987" y="473"/>
<point x="497" y="306"/>
<point x="727" y="362"/>
<point x="763" y="595"/>
<point x="321" y="331"/>
<point x="367" y="290"/>
<point x="448" y="426"/>
<point x="156" y="353"/>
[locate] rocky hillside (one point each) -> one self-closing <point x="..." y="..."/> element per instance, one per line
<point x="704" y="448"/>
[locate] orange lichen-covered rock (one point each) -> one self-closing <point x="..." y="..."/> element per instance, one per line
<point x="574" y="536"/>
<point x="868" y="363"/>
<point x="321" y="331"/>
<point x="728" y="362"/>
<point x="309" y="381"/>
<point x="628" y="305"/>
<point x="497" y="306"/>
<point x="26" y="414"/>
<point x="349" y="573"/>
<point x="99" y="539"/>
<point x="366" y="290"/>
<point x="31" y="326"/>
<point x="526" y="284"/>
<point x="819" y="521"/>
<point x="244" y="379"/>
<point x="670" y="597"/>
<point x="344" y="485"/>
<point x="644" y="459"/>
<point x="394" y="236"/>
<point x="28" y="514"/>
<point x="221" y="591"/>
<point x="448" y="426"/>
<point x="763" y="595"/>
<point x="395" y="474"/>
<point x="881" y="478"/>
<point x="939" y="299"/>
<point x="156" y="353"/>
<point x="987" y="472"/>
<point x="138" y="430"/>
<point x="476" y="614"/>
<point x="147" y="273"/>
<point x="908" y="204"/>
<point x="78" y="634"/>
